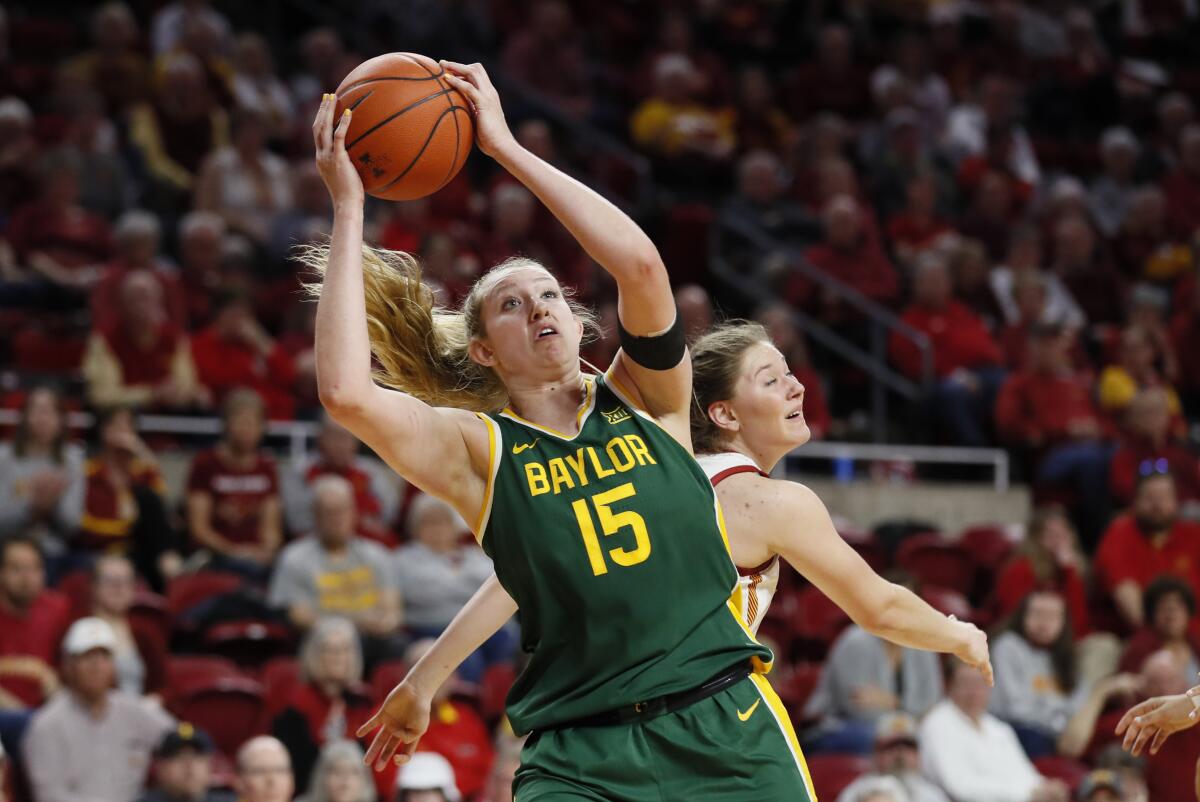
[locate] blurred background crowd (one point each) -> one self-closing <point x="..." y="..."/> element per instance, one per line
<point x="996" y="203"/>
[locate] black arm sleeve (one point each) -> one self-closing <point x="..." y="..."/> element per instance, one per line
<point x="659" y="352"/>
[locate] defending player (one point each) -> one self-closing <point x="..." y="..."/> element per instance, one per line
<point x="643" y="684"/>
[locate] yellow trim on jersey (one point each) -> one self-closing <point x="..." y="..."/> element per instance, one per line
<point x="585" y="409"/>
<point x="105" y="527"/>
<point x="620" y="391"/>
<point x="775" y="705"/>
<point x="495" y="453"/>
<point x="734" y="602"/>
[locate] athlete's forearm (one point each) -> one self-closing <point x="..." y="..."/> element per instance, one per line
<point x="479" y="619"/>
<point x="343" y="348"/>
<point x="907" y="620"/>
<point x="607" y="234"/>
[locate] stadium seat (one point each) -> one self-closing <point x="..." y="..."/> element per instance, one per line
<point x="188" y="590"/>
<point x="1066" y="769"/>
<point x="279" y="676"/>
<point x="230" y="709"/>
<point x="989" y="546"/>
<point x="497" y="681"/>
<point x="249" y="642"/>
<point x="185" y="672"/>
<point x="151" y="608"/>
<point x="76" y="585"/>
<point x="874" y="554"/>
<point x="817" y="622"/>
<point x="796" y="686"/>
<point x="831" y="773"/>
<point x="385" y="676"/>
<point x="934" y="561"/>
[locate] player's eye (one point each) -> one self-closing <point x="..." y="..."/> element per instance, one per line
<point x="771" y="381"/>
<point x="550" y="294"/>
<point x="509" y="303"/>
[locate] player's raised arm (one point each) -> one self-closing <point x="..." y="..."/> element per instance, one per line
<point x="646" y="306"/>
<point x="427" y="446"/>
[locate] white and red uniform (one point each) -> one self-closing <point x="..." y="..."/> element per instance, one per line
<point x="759" y="583"/>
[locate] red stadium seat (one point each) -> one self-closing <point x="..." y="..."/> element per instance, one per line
<point x="77" y="586"/>
<point x="988" y="546"/>
<point x="151" y="608"/>
<point x="796" y="686"/>
<point x="873" y="553"/>
<point x="385" y="676"/>
<point x="249" y="642"/>
<point x="497" y="682"/>
<point x="948" y="602"/>
<point x="817" y="623"/>
<point x="188" y="590"/>
<point x="1066" y="769"/>
<point x="934" y="561"/>
<point x="279" y="676"/>
<point x="230" y="709"/>
<point x="185" y="672"/>
<point x="832" y="773"/>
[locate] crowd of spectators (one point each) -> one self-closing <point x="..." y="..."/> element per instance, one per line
<point x="1018" y="182"/>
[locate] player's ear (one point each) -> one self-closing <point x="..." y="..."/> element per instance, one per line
<point x="481" y="353"/>
<point x="721" y="413"/>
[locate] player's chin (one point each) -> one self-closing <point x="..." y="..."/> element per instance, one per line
<point x="796" y="432"/>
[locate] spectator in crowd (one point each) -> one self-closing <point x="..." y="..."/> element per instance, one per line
<point x="141" y="359"/>
<point x="513" y="231"/>
<point x="62" y="243"/>
<point x="305" y="219"/>
<point x="1171" y="771"/>
<point x="848" y="255"/>
<point x="335" y="572"/>
<point x="125" y="509"/>
<point x="835" y="80"/>
<point x="695" y="307"/>
<point x="1111" y="193"/>
<point x="1129" y="770"/>
<point x="244" y="182"/>
<point x="875" y="789"/>
<point x="1101" y="785"/>
<point x="170" y="24"/>
<point x="140" y="649"/>
<point x="1083" y="270"/>
<point x="1024" y="258"/>
<point x="264" y="771"/>
<point x="681" y="132"/>
<point x="174" y="131"/>
<point x="137" y="236"/>
<point x="235" y="351"/>
<point x="1182" y="185"/>
<point x="105" y="186"/>
<point x="970" y="267"/>
<point x="918" y="226"/>
<point x="340" y="776"/>
<point x="1029" y="295"/>
<point x="456" y="731"/>
<point x="995" y="104"/>
<point x="32" y="621"/>
<point x="1136" y="369"/>
<point x="762" y="124"/>
<point x="438" y="572"/>
<point x="761" y="202"/>
<point x="1148" y="442"/>
<point x="322" y="55"/>
<point x="504" y="769"/>
<point x="548" y="55"/>
<point x="1144" y="246"/>
<point x="233" y="507"/>
<point x="91" y="741"/>
<point x="41" y="474"/>
<point x="966" y="360"/>
<point x="1184" y="332"/>
<point x="426" y="777"/>
<point x="1145" y="543"/>
<point x="897" y="760"/>
<point x="1049" y="558"/>
<point x="376" y="496"/>
<point x="972" y="754"/>
<point x="1170" y="607"/>
<point x="201" y="243"/>
<point x="183" y="768"/>
<point x="330" y="702"/>
<point x="1038" y="688"/>
<point x="865" y="678"/>
<point x="18" y="180"/>
<point x="113" y="66"/>
<point x="779" y="321"/>
<point x="1046" y="412"/>
<point x="256" y="85"/>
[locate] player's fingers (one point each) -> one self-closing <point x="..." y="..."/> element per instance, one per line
<point x="339" y="133"/>
<point x="319" y="124"/>
<point x="376" y="746"/>
<point x="386" y="752"/>
<point x="1160" y="738"/>
<point x="987" y="673"/>
<point x="1132" y="714"/>
<point x="319" y="117"/>
<point x="454" y="68"/>
<point x="468" y="89"/>
<point x="366" y="729"/>
<point x="1144" y="736"/>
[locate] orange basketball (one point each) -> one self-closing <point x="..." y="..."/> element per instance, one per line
<point x="411" y="132"/>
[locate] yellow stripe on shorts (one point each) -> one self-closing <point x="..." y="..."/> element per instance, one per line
<point x="785" y="724"/>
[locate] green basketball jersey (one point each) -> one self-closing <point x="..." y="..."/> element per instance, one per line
<point x="612" y="544"/>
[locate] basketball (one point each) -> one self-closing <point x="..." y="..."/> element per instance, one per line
<point x="411" y="132"/>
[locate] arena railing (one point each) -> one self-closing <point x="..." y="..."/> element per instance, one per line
<point x="754" y="287"/>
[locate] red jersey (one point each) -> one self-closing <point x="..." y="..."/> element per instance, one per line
<point x="458" y="734"/>
<point x="237" y="493"/>
<point x="1017" y="580"/>
<point x="1034" y="407"/>
<point x="1125" y="554"/>
<point x="35" y="634"/>
<point x="109" y="510"/>
<point x="223" y="366"/>
<point x="958" y="337"/>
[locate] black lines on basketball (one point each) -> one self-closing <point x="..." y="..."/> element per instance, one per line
<point x="359" y="101"/>
<point x="394" y="115"/>
<point x="428" y="138"/>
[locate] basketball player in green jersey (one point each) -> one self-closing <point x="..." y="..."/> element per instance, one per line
<point x="642" y="683"/>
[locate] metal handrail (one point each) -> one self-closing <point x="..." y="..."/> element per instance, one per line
<point x="953" y="455"/>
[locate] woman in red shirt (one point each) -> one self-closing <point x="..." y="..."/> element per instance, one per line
<point x="1048" y="559"/>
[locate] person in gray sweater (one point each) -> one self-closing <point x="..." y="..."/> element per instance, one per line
<point x="41" y="475"/>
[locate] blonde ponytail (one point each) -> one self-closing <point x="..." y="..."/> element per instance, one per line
<point x="421" y="348"/>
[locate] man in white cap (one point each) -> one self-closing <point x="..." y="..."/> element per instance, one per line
<point x="426" y="777"/>
<point x="91" y="743"/>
